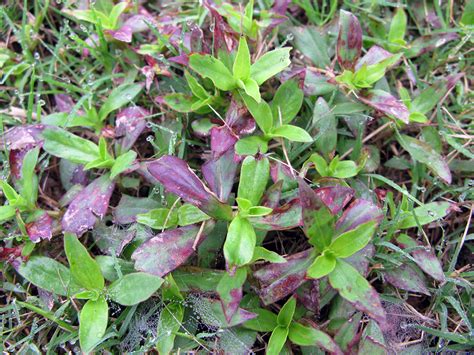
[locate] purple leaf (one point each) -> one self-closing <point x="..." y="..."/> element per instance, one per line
<point x="285" y="217"/>
<point x="280" y="280"/>
<point x="41" y="228"/>
<point x="130" y="123"/>
<point x="123" y="34"/>
<point x="428" y="43"/>
<point x="90" y="203"/>
<point x="15" y="157"/>
<point x="308" y="295"/>
<point x="222" y="139"/>
<point x="387" y="104"/>
<point x="349" y="40"/>
<point x="64" y="103"/>
<point x="360" y="260"/>
<point x="272" y="196"/>
<point x="129" y="206"/>
<point x="407" y="278"/>
<point x="140" y="23"/>
<point x="20" y="137"/>
<point x="72" y="174"/>
<point x="359" y="212"/>
<point x="224" y="39"/>
<point x="280" y="171"/>
<point x="237" y="118"/>
<point x="177" y="178"/>
<point x="174" y="247"/>
<point x="230" y="291"/>
<point x="220" y="173"/>
<point x="373" y="56"/>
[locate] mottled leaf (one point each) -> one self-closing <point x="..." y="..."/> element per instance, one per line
<point x="360" y="211"/>
<point x="407" y="278"/>
<point x="387" y="104"/>
<point x="310" y="42"/>
<point x="130" y="123"/>
<point x="220" y="173"/>
<point x="129" y="207"/>
<point x="41" y="228"/>
<point x="428" y="43"/>
<point x="230" y="291"/>
<point x="285" y="217"/>
<point x="349" y="40"/>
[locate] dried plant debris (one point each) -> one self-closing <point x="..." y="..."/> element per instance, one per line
<point x="236" y="177"/>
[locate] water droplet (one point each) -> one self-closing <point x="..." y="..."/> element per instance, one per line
<point x="149" y="139"/>
<point x="37" y="56"/>
<point x="41" y="102"/>
<point x="290" y="37"/>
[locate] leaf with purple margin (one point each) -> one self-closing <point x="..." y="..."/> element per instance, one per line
<point x="211" y="313"/>
<point x="177" y="178"/>
<point x="129" y="206"/>
<point x="90" y="203"/>
<point x="220" y="172"/>
<point x="130" y="123"/>
<point x="173" y="246"/>
<point x="387" y="104"/>
<point x="360" y="260"/>
<point x="230" y="291"/>
<point x="360" y="211"/>
<point x="407" y="277"/>
<point x="349" y="40"/>
<point x="41" y="228"/>
<point x="280" y="280"/>
<point x="272" y="196"/>
<point x="280" y="171"/>
<point x="425" y="154"/>
<point x="428" y="43"/>
<point x="335" y="197"/>
<point x="373" y="56"/>
<point x="123" y="34"/>
<point x="285" y="217"/>
<point x="424" y="257"/>
<point x="357" y="291"/>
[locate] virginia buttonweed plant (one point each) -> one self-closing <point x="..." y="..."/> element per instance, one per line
<point x="225" y="177"/>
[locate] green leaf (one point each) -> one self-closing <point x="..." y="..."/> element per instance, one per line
<point x="180" y="102"/>
<point x="258" y="211"/>
<point x="277" y="340"/>
<point x="285" y="316"/>
<point x="9" y="192"/>
<point x="195" y="87"/>
<point x="92" y="323"/>
<point x="325" y="126"/>
<point x="122" y="163"/>
<point x="265" y="322"/>
<point x="270" y="64"/>
<point x="61" y="143"/>
<point x="251" y="145"/>
<point x="29" y="180"/>
<point x="240" y="242"/>
<point x="159" y="218"/>
<point x="171" y="318"/>
<point x="398" y="26"/>
<point x="241" y="67"/>
<point x="84" y="270"/>
<point x="254" y="176"/>
<point x="287" y="101"/>
<point x="212" y="68"/>
<point x="356" y="290"/>
<point x="49" y="275"/>
<point x="425" y="154"/>
<point x="260" y="253"/>
<point x="351" y="242"/>
<point x="134" y="288"/>
<point x="308" y="336"/>
<point x="190" y="214"/>
<point x="119" y="97"/>
<point x="322" y="266"/>
<point x="116" y="12"/>
<point x="260" y="111"/>
<point x="6" y="212"/>
<point x="292" y="133"/>
<point x="425" y="214"/>
<point x="251" y="88"/>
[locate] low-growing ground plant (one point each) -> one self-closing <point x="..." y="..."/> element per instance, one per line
<point x="236" y="177"/>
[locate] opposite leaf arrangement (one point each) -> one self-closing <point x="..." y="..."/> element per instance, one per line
<point x="274" y="221"/>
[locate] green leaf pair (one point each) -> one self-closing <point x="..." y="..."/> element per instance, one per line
<point x="160" y="218"/>
<point x="245" y="76"/>
<point x="107" y="21"/>
<point x="336" y="168"/>
<point x="63" y="144"/>
<point x="367" y="75"/>
<point x="241" y="239"/>
<point x="273" y="119"/>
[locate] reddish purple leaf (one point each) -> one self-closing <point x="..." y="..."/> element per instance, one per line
<point x="428" y="43"/>
<point x="182" y="59"/>
<point x="230" y="292"/>
<point x="178" y="178"/>
<point x="239" y="120"/>
<point x="222" y="139"/>
<point x="90" y="203"/>
<point x="224" y="36"/>
<point x="272" y="196"/>
<point x="41" y="228"/>
<point x="140" y="22"/>
<point x="129" y="206"/>
<point x="387" y="104"/>
<point x="335" y="197"/>
<point x="15" y="158"/>
<point x="220" y="173"/>
<point x="308" y="295"/>
<point x="280" y="171"/>
<point x="349" y="40"/>
<point x="123" y="34"/>
<point x="359" y="212"/>
<point x="64" y="103"/>
<point x="12" y="255"/>
<point x="373" y="56"/>
<point x="173" y="247"/>
<point x="360" y="260"/>
<point x="130" y="123"/>
<point x="280" y="280"/>
<point x="407" y="278"/>
<point x="285" y="217"/>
